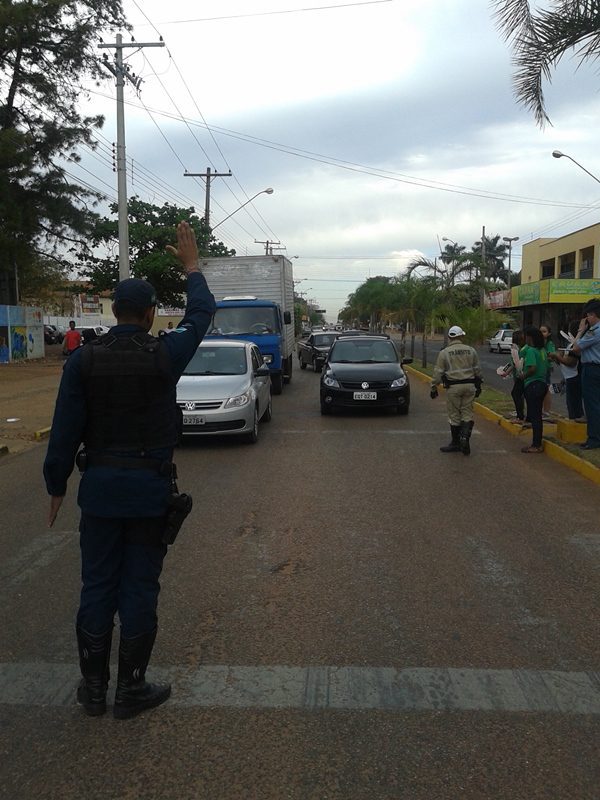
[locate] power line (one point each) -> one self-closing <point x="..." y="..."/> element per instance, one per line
<point x="273" y="13"/>
<point x="208" y="128"/>
<point x="378" y="173"/>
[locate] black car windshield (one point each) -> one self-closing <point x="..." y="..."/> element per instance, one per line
<point x="217" y="361"/>
<point x="246" y="320"/>
<point x="353" y="351"/>
<point x="324" y="340"/>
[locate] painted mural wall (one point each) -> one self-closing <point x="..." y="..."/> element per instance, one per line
<point x="21" y="333"/>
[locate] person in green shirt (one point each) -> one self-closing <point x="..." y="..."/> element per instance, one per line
<point x="535" y="368"/>
<point x="550" y="347"/>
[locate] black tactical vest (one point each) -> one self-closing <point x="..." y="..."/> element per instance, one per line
<point x="130" y="394"/>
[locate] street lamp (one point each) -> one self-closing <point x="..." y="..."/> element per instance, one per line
<point x="558" y="154"/>
<point x="510" y="240"/>
<point x="262" y="191"/>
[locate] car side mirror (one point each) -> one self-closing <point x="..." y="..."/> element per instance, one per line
<point x="406" y="361"/>
<point x="287" y="317"/>
<point x="263" y="371"/>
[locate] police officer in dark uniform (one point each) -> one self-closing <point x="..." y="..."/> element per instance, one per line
<point x="117" y="397"/>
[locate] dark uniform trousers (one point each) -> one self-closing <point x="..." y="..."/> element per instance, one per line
<point x="121" y="564"/>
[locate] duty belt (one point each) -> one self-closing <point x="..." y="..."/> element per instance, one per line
<point x="85" y="459"/>
<point x="454" y="383"/>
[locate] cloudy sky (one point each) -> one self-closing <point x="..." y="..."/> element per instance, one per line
<point x="381" y="126"/>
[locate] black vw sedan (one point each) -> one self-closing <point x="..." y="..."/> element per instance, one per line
<point x="364" y="372"/>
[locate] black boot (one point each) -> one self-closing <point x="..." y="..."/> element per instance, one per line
<point x="94" y="658"/>
<point x="454" y="446"/>
<point x="133" y="693"/>
<point x="465" y="436"/>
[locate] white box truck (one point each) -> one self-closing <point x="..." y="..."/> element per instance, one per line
<point x="255" y="301"/>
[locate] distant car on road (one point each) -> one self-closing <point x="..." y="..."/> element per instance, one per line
<point x="314" y="350"/>
<point x="365" y="372"/>
<point x="501" y="341"/>
<point x="226" y="390"/>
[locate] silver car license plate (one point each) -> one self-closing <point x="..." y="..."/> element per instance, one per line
<point x="365" y="395"/>
<point x="193" y="420"/>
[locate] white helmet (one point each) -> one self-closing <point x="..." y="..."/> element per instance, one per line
<point x="455" y="331"/>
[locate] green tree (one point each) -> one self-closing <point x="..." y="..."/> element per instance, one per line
<point x="540" y="37"/>
<point x="495" y="254"/>
<point x="46" y="50"/>
<point x="151" y="229"/>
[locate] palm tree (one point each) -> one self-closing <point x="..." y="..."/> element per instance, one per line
<point x="540" y="38"/>
<point x="495" y="253"/>
<point x="452" y="265"/>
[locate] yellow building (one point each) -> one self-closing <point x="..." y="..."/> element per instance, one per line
<point x="557" y="277"/>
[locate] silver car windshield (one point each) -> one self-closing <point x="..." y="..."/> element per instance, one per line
<point x="245" y="320"/>
<point x="217" y="361"/>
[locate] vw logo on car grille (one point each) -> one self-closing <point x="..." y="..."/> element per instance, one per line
<point x="364" y="385"/>
<point x="190" y="406"/>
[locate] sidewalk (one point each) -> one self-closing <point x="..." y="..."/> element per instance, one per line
<point x="27" y="395"/>
<point x="586" y="463"/>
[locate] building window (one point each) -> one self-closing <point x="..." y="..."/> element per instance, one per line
<point x="547" y="268"/>
<point x="586" y="270"/>
<point x="566" y="265"/>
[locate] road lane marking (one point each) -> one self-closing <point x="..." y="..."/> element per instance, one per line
<point x="333" y="688"/>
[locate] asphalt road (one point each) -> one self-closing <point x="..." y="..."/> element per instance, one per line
<point x="349" y="614"/>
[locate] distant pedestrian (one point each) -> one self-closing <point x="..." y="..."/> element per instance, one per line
<point x="535" y="370"/>
<point x="72" y="340"/>
<point x="550" y="347"/>
<point x="457" y="368"/>
<point x="588" y="346"/>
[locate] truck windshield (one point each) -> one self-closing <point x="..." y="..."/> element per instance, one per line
<point x="251" y="320"/>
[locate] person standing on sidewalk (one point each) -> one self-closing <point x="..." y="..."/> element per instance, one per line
<point x="570" y="365"/>
<point x="588" y="347"/>
<point x="457" y="368"/>
<point x="117" y="397"/>
<point x="550" y="347"/>
<point x="535" y="369"/>
<point x="72" y="340"/>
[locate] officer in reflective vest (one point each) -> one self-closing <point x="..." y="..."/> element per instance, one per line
<point x="457" y="368"/>
<point x="117" y="398"/>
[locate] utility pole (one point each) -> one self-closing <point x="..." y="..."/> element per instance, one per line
<point x="268" y="246"/>
<point x="208" y="176"/>
<point x="121" y="71"/>
<point x="482" y="274"/>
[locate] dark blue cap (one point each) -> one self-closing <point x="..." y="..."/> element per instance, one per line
<point x="137" y="292"/>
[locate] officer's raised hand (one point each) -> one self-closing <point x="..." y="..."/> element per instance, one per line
<point x="187" y="249"/>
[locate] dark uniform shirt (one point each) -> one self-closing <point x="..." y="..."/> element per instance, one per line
<point x="110" y="491"/>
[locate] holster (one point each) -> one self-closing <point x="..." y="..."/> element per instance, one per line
<point x="180" y="505"/>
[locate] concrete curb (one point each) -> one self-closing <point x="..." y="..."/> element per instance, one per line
<point x="44" y="433"/>
<point x="551" y="449"/>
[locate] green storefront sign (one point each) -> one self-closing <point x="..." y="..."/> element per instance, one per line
<point x="555" y="291"/>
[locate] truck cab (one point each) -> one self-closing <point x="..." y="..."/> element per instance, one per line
<point x="258" y="321"/>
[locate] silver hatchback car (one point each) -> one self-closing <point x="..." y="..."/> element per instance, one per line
<point x="225" y="390"/>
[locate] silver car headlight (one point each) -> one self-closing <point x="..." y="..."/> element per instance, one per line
<point x="329" y="380"/>
<point x="238" y="401"/>
<point x="268" y="358"/>
<point x="399" y="383"/>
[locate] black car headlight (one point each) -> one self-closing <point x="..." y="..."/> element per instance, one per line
<point x="330" y="381"/>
